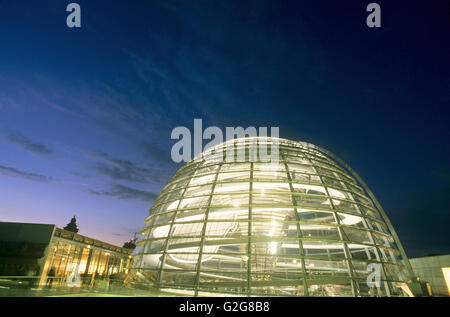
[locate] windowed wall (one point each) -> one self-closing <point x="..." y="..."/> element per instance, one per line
<point x="90" y="262"/>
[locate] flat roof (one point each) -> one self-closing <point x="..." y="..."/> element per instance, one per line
<point x="68" y="235"/>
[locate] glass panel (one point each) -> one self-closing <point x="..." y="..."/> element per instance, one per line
<point x="197" y="214"/>
<point x="345" y="206"/>
<point x="270" y="175"/>
<point x="273" y="214"/>
<point x="233" y="176"/>
<point x="202" y="180"/>
<point x="235" y="213"/>
<point x="178" y="278"/>
<point x="226" y="229"/>
<point x="355" y="235"/>
<point x="326" y="267"/>
<point x="320" y="231"/>
<point x="382" y="240"/>
<point x="324" y="249"/>
<point x="198" y="190"/>
<point x="273" y="228"/>
<point x="312" y="201"/>
<point x="271" y="199"/>
<point x="271" y="187"/>
<point x="351" y="220"/>
<point x="235" y="167"/>
<point x="187" y="229"/>
<point x="176" y="194"/>
<point x="161" y="219"/>
<point x="299" y="168"/>
<point x="232" y="187"/>
<point x="316" y="216"/>
<point x="194" y="202"/>
<point x="362" y="252"/>
<point x="207" y="169"/>
<point x="229" y="200"/>
<point x="223" y="263"/>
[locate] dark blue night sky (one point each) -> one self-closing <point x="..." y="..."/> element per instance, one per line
<point x="86" y="114"/>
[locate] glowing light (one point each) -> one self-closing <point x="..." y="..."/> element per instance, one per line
<point x="446" y="272"/>
<point x="273" y="248"/>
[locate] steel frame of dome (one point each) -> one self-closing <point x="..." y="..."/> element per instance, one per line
<point x="314" y="228"/>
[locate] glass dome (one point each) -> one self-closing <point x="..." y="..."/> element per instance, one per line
<point x="305" y="225"/>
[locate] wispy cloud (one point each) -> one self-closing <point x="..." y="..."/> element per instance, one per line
<point x="43" y="91"/>
<point x="21" y="140"/>
<point x="156" y="153"/>
<point x="10" y="171"/>
<point x="120" y="234"/>
<point x="127" y="193"/>
<point x="119" y="169"/>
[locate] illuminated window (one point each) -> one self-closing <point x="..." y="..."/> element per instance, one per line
<point x="446" y="272"/>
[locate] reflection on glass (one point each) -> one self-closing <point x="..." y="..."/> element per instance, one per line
<point x="301" y="226"/>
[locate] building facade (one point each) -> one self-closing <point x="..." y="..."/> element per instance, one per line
<point x="41" y="255"/>
<point x="436" y="271"/>
<point x="304" y="225"/>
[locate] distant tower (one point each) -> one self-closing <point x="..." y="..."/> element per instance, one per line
<point x="72" y="225"/>
<point x="130" y="245"/>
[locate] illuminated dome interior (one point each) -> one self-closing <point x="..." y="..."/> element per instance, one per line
<point x="303" y="226"/>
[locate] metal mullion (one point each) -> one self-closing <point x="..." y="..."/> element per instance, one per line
<point x="277" y="193"/>
<point x="321" y="174"/>
<point x="383" y="215"/>
<point x="299" y="232"/>
<point x="95" y="267"/>
<point x="378" y="255"/>
<point x="202" y="239"/>
<point x="169" y="235"/>
<point x="308" y="155"/>
<point x="249" y="228"/>
<point x="60" y="243"/>
<point x="55" y="250"/>
<point x="341" y="233"/>
<point x="249" y="233"/>
<point x="68" y="258"/>
<point x="369" y="229"/>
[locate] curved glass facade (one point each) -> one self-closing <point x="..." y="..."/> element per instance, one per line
<point x="305" y="225"/>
